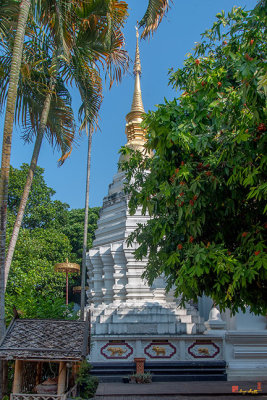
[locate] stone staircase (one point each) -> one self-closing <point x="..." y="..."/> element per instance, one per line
<point x="163" y="371"/>
<point x="148" y="318"/>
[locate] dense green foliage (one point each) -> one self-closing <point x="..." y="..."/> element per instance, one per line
<point x="41" y="210"/>
<point x="87" y="384"/>
<point x="35" y="289"/>
<point x="50" y="234"/>
<point x="73" y="229"/>
<point x="206" y="187"/>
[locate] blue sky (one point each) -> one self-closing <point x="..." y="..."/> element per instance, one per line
<point x="176" y="36"/>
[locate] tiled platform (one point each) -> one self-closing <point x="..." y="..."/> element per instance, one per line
<point x="181" y="391"/>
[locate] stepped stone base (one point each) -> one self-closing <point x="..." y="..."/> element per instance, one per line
<point x="156" y="331"/>
<point x="162" y="371"/>
<point x="246" y="353"/>
<point x="164" y="318"/>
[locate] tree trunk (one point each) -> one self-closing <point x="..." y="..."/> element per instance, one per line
<point x="86" y="221"/>
<point x="6" y="151"/>
<point x="27" y="187"/>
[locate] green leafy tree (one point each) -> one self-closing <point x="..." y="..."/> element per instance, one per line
<point x="41" y="210"/>
<point x="50" y="234"/>
<point x="33" y="287"/>
<point x="73" y="229"/>
<point x="205" y="187"/>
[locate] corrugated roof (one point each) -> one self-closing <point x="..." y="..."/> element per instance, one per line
<point x="34" y="339"/>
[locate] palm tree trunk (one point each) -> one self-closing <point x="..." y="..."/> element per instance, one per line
<point x="6" y="151"/>
<point x="86" y="221"/>
<point x="27" y="187"/>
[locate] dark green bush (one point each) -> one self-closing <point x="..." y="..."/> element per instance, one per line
<point x="87" y="384"/>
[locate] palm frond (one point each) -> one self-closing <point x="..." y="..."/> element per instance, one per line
<point x="153" y="16"/>
<point x="117" y="59"/>
<point x="60" y="129"/>
<point x="9" y="10"/>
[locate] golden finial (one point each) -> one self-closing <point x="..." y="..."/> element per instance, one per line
<point x="135" y="134"/>
<point x="137" y="104"/>
<point x="137" y="62"/>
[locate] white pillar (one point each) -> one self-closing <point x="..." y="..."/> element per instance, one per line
<point x="108" y="272"/>
<point x="136" y="289"/>
<point x="98" y="281"/>
<point x="159" y="291"/>
<point x="89" y="280"/>
<point x="119" y="272"/>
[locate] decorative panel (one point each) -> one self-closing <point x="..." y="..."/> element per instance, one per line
<point x="160" y="350"/>
<point x="116" y="351"/>
<point x="203" y="349"/>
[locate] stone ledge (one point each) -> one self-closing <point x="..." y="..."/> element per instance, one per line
<point x="246" y="337"/>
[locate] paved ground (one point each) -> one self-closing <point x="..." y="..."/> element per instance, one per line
<point x="181" y="391"/>
<point x="178" y="397"/>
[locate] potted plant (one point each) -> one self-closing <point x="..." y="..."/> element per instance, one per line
<point x="146" y="377"/>
<point x="131" y="378"/>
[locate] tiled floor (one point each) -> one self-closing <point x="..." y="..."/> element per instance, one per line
<point x="178" y="397"/>
<point x="180" y="391"/>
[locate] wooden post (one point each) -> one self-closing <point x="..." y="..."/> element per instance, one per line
<point x="62" y="377"/>
<point x="140" y="365"/>
<point x="5" y="376"/>
<point x="17" y="383"/>
<point x="39" y="373"/>
<point x="75" y="369"/>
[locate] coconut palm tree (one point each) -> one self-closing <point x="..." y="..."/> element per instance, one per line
<point x="89" y="84"/>
<point x="42" y="111"/>
<point x="56" y="119"/>
<point x="51" y="15"/>
<point x="85" y="230"/>
<point x="6" y="148"/>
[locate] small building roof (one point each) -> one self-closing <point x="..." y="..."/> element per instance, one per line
<point x="45" y="339"/>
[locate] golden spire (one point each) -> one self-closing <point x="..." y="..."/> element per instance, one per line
<point x="137" y="62"/>
<point x="137" y="104"/>
<point x="135" y="134"/>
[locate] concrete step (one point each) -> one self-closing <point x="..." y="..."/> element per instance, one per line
<point x="151" y="310"/>
<point x="172" y="391"/>
<point x="163" y="371"/>
<point x="147" y="318"/>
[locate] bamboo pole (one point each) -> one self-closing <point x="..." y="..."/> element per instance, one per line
<point x="39" y="373"/>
